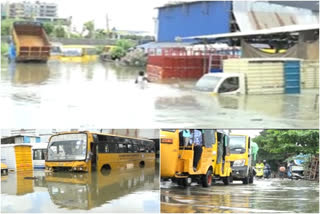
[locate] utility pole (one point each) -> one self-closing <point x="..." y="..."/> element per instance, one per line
<point x="107" y="22"/>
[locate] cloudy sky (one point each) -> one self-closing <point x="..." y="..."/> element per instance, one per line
<point x="123" y="14"/>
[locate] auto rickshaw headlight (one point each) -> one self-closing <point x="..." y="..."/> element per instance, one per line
<point x="239" y="162"/>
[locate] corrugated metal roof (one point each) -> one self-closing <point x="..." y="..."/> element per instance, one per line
<point x="256" y="15"/>
<point x="311" y="5"/>
<point x="276" y="30"/>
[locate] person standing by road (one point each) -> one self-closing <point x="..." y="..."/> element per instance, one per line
<point x="282" y="171"/>
<point x="196" y="139"/>
<point x="267" y="169"/>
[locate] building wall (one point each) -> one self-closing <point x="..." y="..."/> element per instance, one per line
<point x="193" y="19"/>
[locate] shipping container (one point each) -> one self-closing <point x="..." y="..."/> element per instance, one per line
<point x="266" y="75"/>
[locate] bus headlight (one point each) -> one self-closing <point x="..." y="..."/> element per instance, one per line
<point x="239" y="162"/>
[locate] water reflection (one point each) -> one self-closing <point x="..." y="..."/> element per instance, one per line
<point x="263" y="196"/>
<point x="111" y="192"/>
<point x="28" y="73"/>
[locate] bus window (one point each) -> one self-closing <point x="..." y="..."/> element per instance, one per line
<point x="135" y="146"/>
<point x="37" y="154"/>
<point x="104" y="147"/>
<point x="142" y="146"/>
<point x="122" y="148"/>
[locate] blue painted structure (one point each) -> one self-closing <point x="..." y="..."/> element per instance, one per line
<point x="26" y="139"/>
<point x="193" y="18"/>
<point x="292" y="77"/>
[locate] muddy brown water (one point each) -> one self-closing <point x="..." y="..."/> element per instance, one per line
<point x="263" y="196"/>
<point x="134" y="191"/>
<point x="101" y="94"/>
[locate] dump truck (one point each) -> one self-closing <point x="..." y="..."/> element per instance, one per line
<point x="29" y="42"/>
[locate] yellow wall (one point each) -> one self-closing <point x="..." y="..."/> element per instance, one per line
<point x="23" y="158"/>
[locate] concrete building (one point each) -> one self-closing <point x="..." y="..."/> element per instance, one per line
<point x="18" y="139"/>
<point x="28" y="9"/>
<point x="216" y="17"/>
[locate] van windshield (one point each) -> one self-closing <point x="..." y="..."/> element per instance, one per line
<point x="237" y="144"/>
<point x="207" y="83"/>
<point x="67" y="147"/>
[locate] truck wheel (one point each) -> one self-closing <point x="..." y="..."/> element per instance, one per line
<point x="207" y="179"/>
<point x="180" y="182"/>
<point x="186" y="182"/>
<point x="226" y="180"/>
<point x="245" y="180"/>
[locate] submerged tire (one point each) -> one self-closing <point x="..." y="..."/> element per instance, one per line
<point x="245" y="180"/>
<point x="186" y="182"/>
<point x="251" y="179"/>
<point x="226" y="180"/>
<point x="207" y="179"/>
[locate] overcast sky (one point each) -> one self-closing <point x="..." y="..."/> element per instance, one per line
<point x="123" y="14"/>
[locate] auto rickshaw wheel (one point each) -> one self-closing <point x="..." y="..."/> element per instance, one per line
<point x="207" y="179"/>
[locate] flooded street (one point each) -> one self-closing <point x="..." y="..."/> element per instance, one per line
<point x="263" y="196"/>
<point x="135" y="190"/>
<point x="98" y="95"/>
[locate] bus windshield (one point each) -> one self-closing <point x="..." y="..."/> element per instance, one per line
<point x="67" y="147"/>
<point x="207" y="83"/>
<point x="237" y="144"/>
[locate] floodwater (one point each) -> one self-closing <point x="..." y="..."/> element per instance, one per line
<point x="263" y="196"/>
<point x="101" y="94"/>
<point x="134" y="191"/>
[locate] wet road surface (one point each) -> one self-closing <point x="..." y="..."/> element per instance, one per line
<point x="100" y="94"/>
<point x="263" y="196"/>
<point x="133" y="191"/>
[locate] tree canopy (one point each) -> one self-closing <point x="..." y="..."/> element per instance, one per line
<point x="285" y="143"/>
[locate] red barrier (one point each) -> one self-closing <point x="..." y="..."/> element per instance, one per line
<point x="181" y="63"/>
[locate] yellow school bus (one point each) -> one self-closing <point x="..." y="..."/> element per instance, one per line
<point x="78" y="53"/>
<point x="177" y="158"/>
<point x="240" y="158"/>
<point x="89" y="151"/>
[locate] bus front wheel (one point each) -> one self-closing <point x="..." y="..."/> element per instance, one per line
<point x="207" y="179"/>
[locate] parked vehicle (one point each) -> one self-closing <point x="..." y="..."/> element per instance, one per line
<point x="177" y="158"/>
<point x="226" y="83"/>
<point x="4" y="169"/>
<point x="56" y="51"/>
<point x="296" y="167"/>
<point x="240" y="158"/>
<point x="39" y="154"/>
<point x="30" y="42"/>
<point x="78" y="53"/>
<point x="90" y="151"/>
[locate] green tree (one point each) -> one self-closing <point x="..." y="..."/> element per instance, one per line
<point x="125" y="44"/>
<point x="289" y="142"/>
<point x="6" y="26"/>
<point x="60" y="32"/>
<point x="89" y="26"/>
<point x="100" y="34"/>
<point x="48" y="27"/>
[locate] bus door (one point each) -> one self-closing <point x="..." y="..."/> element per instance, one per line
<point x="94" y="150"/>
